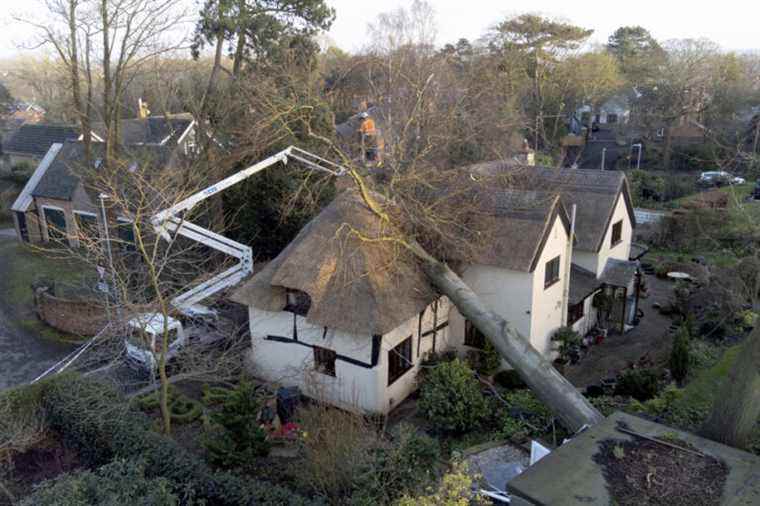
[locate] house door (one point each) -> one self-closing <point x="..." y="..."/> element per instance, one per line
<point x="22" y="227"/>
<point x="55" y="221"/>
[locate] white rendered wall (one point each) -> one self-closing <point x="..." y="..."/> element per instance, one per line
<point x="622" y="250"/>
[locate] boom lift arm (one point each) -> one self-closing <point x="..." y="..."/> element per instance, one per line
<point x="169" y="223"/>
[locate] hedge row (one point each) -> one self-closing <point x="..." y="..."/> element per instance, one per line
<point x="96" y="420"/>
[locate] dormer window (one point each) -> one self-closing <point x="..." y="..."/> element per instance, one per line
<point x="298" y="302"/>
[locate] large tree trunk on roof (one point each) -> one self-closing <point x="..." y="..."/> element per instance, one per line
<point x="559" y="395"/>
<point x="736" y="408"/>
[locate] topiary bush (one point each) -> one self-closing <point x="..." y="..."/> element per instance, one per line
<point x="450" y="397"/>
<point x="569" y="344"/>
<point x="120" y="482"/>
<point x="641" y="384"/>
<point x="237" y="436"/>
<point x="679" y="355"/>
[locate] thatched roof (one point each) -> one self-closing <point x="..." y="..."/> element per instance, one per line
<point x="594" y="192"/>
<point x="366" y="286"/>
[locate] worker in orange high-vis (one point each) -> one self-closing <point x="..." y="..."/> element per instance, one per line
<point x="369" y="137"/>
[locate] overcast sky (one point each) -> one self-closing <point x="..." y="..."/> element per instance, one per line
<point x="731" y="23"/>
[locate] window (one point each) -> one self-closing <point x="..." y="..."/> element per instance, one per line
<point x="399" y="360"/>
<point x="551" y="273"/>
<point x="298" y="302"/>
<point x="612" y="118"/>
<point x="56" y="223"/>
<point x="324" y="360"/>
<point x="617" y="233"/>
<point x="87" y="224"/>
<point x="574" y="313"/>
<point x="473" y="337"/>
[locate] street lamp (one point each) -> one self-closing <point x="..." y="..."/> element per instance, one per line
<point x="604" y="154"/>
<point x="638" y="159"/>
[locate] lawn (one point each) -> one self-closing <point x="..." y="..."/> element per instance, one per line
<point x="20" y="267"/>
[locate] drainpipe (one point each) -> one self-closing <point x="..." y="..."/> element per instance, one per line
<point x="568" y="267"/>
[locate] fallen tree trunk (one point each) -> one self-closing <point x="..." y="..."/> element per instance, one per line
<point x="558" y="394"/>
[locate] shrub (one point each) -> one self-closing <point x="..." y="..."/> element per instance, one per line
<point x="120" y="482"/>
<point x="486" y="361"/>
<point x="336" y="447"/>
<point x="525" y="416"/>
<point x="450" y="397"/>
<point x="21" y="420"/>
<point x="94" y="419"/>
<point x="641" y="384"/>
<point x="570" y="342"/>
<point x="679" y="355"/>
<point x="405" y="466"/>
<point x="646" y="187"/>
<point x="237" y="437"/>
<point x="454" y="489"/>
<point x="509" y="379"/>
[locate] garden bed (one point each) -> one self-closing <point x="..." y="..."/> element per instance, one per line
<point x="647" y="472"/>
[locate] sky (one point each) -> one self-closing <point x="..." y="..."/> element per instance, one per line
<point x="731" y="23"/>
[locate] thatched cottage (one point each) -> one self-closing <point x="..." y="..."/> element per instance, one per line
<point x="348" y="318"/>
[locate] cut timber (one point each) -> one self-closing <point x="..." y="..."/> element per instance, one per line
<point x="559" y="395"/>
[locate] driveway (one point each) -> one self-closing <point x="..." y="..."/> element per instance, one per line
<point x="603" y="140"/>
<point x="23" y="356"/>
<point x="649" y="340"/>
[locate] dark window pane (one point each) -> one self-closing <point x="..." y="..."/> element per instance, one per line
<point x="551" y="272"/>
<point x="399" y="360"/>
<point x="574" y="313"/>
<point x="473" y="337"/>
<point x="617" y="232"/>
<point x="298" y="302"/>
<point x="324" y="360"/>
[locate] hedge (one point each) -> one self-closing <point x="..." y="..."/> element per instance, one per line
<point x="97" y="421"/>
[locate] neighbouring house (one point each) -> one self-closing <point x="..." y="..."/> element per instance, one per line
<point x="602" y="254"/>
<point x="58" y="204"/>
<point x="613" y="111"/>
<point x="349" y="319"/>
<point x="176" y="130"/>
<point x="55" y="204"/>
<point x="30" y="143"/>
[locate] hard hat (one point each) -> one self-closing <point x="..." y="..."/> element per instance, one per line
<point x="363" y="115"/>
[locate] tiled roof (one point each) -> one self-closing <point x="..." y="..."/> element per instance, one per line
<point x="151" y="130"/>
<point x="35" y="140"/>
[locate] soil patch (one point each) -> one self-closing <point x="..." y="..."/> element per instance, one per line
<point x="645" y="472"/>
<point x="44" y="462"/>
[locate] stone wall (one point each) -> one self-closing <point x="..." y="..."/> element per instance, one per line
<point x="77" y="317"/>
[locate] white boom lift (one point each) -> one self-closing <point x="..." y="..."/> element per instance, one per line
<point x="170" y="223"/>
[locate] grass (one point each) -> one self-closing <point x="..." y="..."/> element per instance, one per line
<point x="21" y="267"/>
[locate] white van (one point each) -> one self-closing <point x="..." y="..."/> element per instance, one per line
<point x="145" y="337"/>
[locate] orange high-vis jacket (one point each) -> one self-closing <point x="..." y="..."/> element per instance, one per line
<point x="367" y="127"/>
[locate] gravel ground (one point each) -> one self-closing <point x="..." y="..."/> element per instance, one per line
<point x="495" y="464"/>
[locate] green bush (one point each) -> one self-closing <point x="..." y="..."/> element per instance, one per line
<point x="486" y="361"/>
<point x="185" y="410"/>
<point x="641" y="384"/>
<point x="509" y="379"/>
<point x="569" y="342"/>
<point x="450" y="397"/>
<point x="237" y="438"/>
<point x="120" y="482"/>
<point x="94" y="419"/>
<point x="679" y="355"/>
<point x="646" y="187"/>
<point x="524" y="416"/>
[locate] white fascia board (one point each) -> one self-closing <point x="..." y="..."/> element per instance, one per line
<point x="25" y="199"/>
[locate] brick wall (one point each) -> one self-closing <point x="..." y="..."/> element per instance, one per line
<point x="77" y="317"/>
